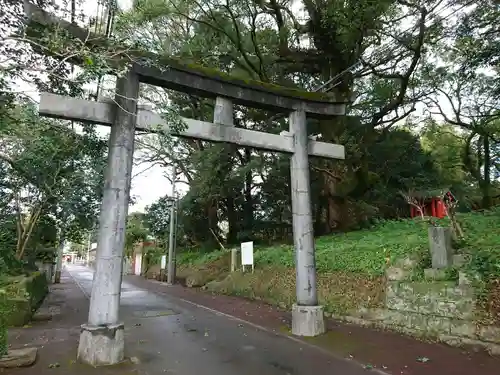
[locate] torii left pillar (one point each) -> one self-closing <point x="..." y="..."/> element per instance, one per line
<point x="102" y="340"/>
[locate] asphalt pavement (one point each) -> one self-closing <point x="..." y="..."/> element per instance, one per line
<point x="167" y="335"/>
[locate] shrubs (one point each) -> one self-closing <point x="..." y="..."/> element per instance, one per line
<point x="351" y="266"/>
<point x="3" y="323"/>
<point x="22" y="297"/>
<point x="369" y="252"/>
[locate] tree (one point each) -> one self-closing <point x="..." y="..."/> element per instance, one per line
<point x="472" y="107"/>
<point x="376" y="56"/>
<point x="157" y="218"/>
<point x="52" y="171"/>
<point x="264" y="41"/>
<point x="478" y="39"/>
<point x="446" y="146"/>
<point x="136" y="232"/>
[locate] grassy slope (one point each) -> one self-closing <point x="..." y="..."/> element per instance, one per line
<point x="369" y="251"/>
<point x="351" y="265"/>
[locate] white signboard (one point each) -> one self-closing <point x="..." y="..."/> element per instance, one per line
<point x="247" y="254"/>
<point x="163" y="262"/>
<point x="93" y="246"/>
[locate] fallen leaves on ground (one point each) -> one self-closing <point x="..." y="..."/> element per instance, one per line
<point x="423" y="359"/>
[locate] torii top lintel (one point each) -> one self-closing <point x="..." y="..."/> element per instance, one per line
<point x="176" y="75"/>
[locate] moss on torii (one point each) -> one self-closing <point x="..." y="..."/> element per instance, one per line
<point x="94" y="46"/>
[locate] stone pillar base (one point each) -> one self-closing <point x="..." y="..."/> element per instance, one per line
<point x="102" y="345"/>
<point x="57" y="277"/>
<point x="307" y="320"/>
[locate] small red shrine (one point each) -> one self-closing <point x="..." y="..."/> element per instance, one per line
<point x="432" y="204"/>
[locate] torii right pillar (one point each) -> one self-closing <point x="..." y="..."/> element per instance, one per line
<point x="307" y="316"/>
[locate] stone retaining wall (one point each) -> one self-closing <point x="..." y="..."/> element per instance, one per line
<point x="442" y="310"/>
<point x="24" y="297"/>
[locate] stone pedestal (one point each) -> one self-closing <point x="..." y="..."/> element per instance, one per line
<point x="57" y="277"/>
<point x="102" y="345"/>
<point x="307" y="320"/>
<point x="440" y="246"/>
<point x="234" y="259"/>
<point x="18" y="358"/>
<point x="47" y="268"/>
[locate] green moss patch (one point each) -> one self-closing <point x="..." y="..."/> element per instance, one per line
<point x="250" y="83"/>
<point x="22" y="297"/>
<point x="18" y="311"/>
<point x="43" y="31"/>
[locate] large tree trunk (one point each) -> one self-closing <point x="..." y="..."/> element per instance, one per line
<point x="486" y="183"/>
<point x="248" y="203"/>
<point x="232" y="218"/>
<point x="318" y="212"/>
<point x="213" y="219"/>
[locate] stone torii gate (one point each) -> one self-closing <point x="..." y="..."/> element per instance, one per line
<point x="102" y="338"/>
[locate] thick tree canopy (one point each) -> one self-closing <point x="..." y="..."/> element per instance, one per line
<point x="420" y="77"/>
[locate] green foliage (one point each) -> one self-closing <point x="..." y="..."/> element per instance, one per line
<point x="446" y="146"/>
<point x="37" y="289"/>
<point x="365" y="251"/>
<point x="477" y="40"/>
<point x="196" y="258"/>
<point x="157" y="217"/>
<point x="153" y="254"/>
<point x="44" y="233"/>
<point x="482" y="244"/>
<point x="4" y="311"/>
<point x="16" y="293"/>
<point x="52" y="182"/>
<point x="136" y="231"/>
<point x="369" y="252"/>
<point x="46" y="255"/>
<point x="8" y="234"/>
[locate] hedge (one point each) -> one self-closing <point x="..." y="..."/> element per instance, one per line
<point x="4" y="346"/>
<point x="18" y="302"/>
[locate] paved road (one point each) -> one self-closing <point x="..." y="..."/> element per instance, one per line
<point x="167" y="335"/>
